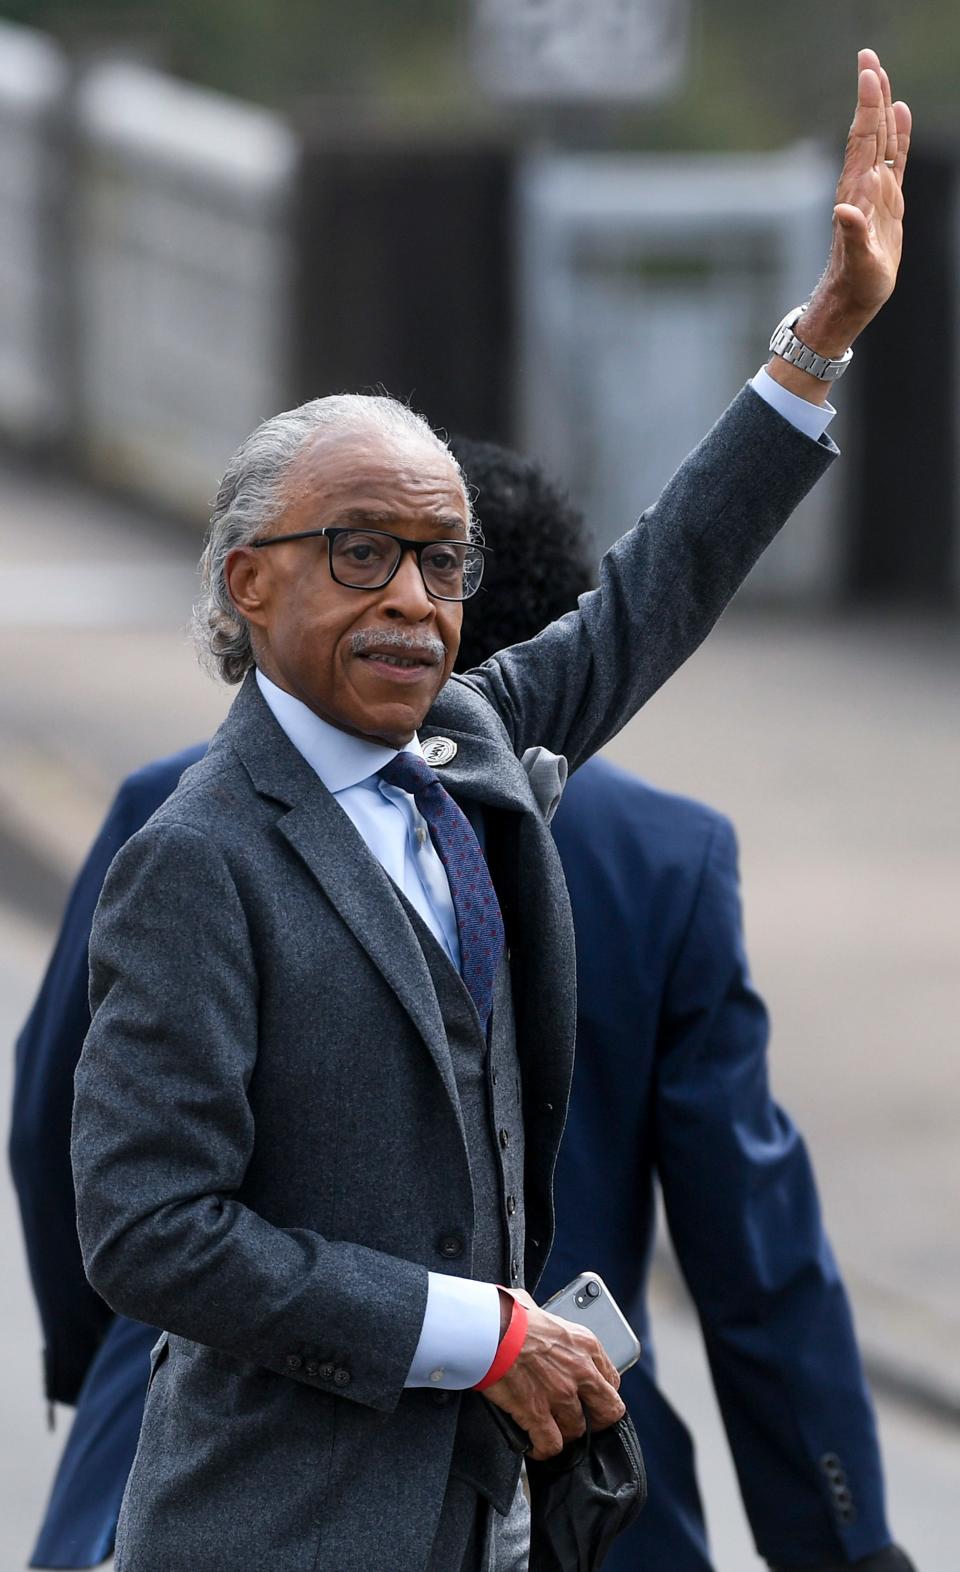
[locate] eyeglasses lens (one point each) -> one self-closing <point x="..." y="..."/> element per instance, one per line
<point x="365" y="560"/>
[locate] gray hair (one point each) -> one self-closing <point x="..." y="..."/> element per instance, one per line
<point x="254" y="492"/>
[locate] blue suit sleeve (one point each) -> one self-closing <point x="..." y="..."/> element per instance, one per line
<point x="72" y="1314"/>
<point x="742" y="1206"/>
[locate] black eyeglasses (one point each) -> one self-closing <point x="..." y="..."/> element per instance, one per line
<point x="367" y="559"/>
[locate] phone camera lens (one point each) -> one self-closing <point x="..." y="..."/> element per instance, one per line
<point x="593" y="1290"/>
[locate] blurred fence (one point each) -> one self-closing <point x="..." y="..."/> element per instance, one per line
<point x="177" y="266"/>
<point x="183" y="260"/>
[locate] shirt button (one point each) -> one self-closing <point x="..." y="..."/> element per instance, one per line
<point x="325" y="1372"/>
<point x="294" y="1362"/>
<point x="511" y="1205"/>
<point x="504" y="1139"/>
<point x="420" y="836"/>
<point x="341" y="1377"/>
<point x="451" y="1245"/>
<point x="437" y="1375"/>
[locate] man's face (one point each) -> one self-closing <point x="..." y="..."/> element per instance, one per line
<point x="304" y="624"/>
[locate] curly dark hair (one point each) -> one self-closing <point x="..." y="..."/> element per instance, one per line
<point x="541" y="559"/>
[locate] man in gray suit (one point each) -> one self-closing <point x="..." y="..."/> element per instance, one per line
<point x="332" y="979"/>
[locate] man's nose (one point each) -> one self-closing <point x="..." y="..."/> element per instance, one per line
<point x="406" y="595"/>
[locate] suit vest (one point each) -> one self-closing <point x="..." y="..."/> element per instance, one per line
<point x="487" y="1075"/>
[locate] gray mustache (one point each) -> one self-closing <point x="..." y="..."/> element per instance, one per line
<point x="424" y="645"/>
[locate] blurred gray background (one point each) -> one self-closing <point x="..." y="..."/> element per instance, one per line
<point x="207" y="214"/>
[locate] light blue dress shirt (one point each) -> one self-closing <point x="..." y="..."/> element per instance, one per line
<point x="811" y="419"/>
<point x="461" y="1324"/>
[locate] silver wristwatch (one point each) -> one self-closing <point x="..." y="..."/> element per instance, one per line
<point x="786" y="344"/>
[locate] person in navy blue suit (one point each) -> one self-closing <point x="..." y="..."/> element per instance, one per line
<point x="670" y="1085"/>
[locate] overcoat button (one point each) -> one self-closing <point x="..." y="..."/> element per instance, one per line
<point x="312" y="1368"/>
<point x="440" y="1398"/>
<point x="326" y="1372"/>
<point x="451" y="1245"/>
<point x="511" y="1205"/>
<point x="294" y="1362"/>
<point x="341" y="1377"/>
<point x="514" y="1270"/>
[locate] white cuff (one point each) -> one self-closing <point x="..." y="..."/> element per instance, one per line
<point x="460" y="1334"/>
<point x="811" y="419"/>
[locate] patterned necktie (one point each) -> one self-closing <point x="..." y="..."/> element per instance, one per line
<point x="479" y="920"/>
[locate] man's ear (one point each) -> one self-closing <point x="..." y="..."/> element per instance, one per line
<point x="247" y="576"/>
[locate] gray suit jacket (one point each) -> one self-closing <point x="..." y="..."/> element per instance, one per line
<point x="267" y="1147"/>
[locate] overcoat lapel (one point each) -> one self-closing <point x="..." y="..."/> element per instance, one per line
<point x="342" y="864"/>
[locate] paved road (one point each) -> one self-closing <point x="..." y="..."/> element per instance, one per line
<point x="835" y="747"/>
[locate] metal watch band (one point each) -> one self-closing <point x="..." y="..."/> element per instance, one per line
<point x="791" y="349"/>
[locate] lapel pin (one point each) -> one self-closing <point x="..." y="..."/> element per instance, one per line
<point x="439" y="750"/>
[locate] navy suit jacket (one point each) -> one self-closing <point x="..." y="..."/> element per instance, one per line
<point x="670" y="1083"/>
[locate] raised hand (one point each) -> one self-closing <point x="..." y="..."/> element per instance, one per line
<point x="867" y="218"/>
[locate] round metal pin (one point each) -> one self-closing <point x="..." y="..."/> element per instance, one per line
<point x="439" y="750"/>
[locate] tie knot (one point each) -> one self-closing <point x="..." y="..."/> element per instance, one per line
<point x="410" y="773"/>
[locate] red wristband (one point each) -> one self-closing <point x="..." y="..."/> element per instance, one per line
<point x="510" y="1345"/>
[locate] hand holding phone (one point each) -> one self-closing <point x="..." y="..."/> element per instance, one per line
<point x="587" y="1301"/>
<point x="560" y="1374"/>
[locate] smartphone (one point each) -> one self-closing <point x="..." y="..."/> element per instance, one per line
<point x="589" y="1302"/>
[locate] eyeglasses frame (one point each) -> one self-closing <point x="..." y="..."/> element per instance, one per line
<point x="329" y="532"/>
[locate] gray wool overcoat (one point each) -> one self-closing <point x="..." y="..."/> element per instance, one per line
<point x="266" y="1144"/>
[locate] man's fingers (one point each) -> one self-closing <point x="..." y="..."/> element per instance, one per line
<point x="904" y="121"/>
<point x="854" y="222"/>
<point x="570" y="1418"/>
<point x="868" y="133"/>
<point x="602" y="1402"/>
<point x="605" y="1365"/>
<point x="890" y="119"/>
<point x="546" y="1438"/>
<point x="604" y="1409"/>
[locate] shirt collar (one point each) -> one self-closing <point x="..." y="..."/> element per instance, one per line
<point x="339" y="759"/>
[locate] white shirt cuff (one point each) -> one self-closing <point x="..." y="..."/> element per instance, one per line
<point x="811" y="419"/>
<point x="460" y="1334"/>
